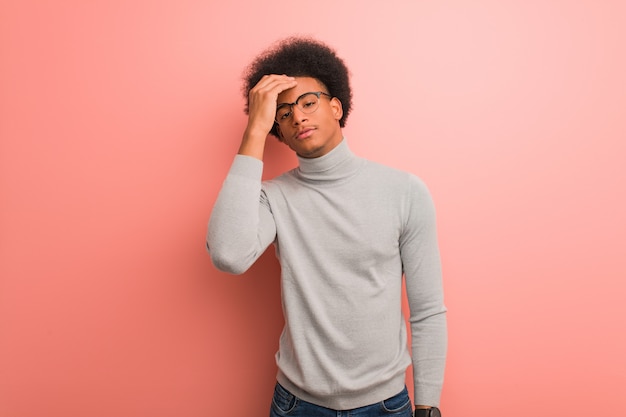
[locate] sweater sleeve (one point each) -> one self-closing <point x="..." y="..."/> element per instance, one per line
<point x="422" y="268"/>
<point x="241" y="226"/>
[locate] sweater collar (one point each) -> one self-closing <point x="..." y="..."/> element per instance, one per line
<point x="337" y="164"/>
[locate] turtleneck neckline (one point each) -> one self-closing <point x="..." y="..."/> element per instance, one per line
<point x="337" y="164"/>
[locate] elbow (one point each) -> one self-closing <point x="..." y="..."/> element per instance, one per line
<point x="228" y="265"/>
<point x="228" y="262"/>
<point x="433" y="314"/>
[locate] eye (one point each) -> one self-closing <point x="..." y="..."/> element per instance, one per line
<point x="308" y="103"/>
<point x="283" y="112"/>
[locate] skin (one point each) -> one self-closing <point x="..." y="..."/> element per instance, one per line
<point x="309" y="135"/>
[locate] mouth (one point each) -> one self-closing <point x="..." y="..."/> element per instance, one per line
<point x="305" y="133"/>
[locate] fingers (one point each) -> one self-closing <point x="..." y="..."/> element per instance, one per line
<point x="273" y="84"/>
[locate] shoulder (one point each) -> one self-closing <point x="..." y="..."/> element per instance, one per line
<point x="285" y="179"/>
<point x="390" y="176"/>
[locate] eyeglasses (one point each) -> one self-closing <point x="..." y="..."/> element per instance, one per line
<point x="307" y="103"/>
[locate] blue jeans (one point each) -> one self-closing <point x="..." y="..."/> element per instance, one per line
<point x="285" y="404"/>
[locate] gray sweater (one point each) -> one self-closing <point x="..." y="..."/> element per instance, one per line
<point x="345" y="230"/>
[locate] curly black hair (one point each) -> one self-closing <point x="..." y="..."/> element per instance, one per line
<point x="302" y="57"/>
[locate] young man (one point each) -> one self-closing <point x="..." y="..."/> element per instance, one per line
<point x="345" y="231"/>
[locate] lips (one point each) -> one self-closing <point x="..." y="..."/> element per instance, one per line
<point x="304" y="133"/>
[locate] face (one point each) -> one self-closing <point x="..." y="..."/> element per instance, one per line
<point x="311" y="135"/>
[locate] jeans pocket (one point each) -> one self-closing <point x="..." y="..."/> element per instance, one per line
<point x="399" y="403"/>
<point x="283" y="402"/>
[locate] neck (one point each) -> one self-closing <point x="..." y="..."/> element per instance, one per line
<point x="337" y="164"/>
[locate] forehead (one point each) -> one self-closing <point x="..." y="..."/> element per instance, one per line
<point x="305" y="85"/>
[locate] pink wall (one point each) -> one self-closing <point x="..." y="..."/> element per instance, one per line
<point x="118" y="121"/>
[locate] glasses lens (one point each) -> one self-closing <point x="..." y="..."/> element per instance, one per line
<point x="308" y="103"/>
<point x="283" y="112"/>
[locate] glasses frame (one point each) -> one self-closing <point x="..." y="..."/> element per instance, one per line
<point x="318" y="94"/>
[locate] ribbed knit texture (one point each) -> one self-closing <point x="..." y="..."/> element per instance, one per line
<point x="345" y="230"/>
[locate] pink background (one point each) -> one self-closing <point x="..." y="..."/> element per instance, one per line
<point x="118" y="122"/>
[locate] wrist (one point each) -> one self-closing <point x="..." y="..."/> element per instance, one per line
<point x="253" y="144"/>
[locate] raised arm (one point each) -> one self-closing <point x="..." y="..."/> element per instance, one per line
<point x="241" y="226"/>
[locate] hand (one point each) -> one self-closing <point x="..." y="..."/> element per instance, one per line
<point x="425" y="410"/>
<point x="262" y="102"/>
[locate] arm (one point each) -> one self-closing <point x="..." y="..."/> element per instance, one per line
<point x="241" y="226"/>
<point x="422" y="268"/>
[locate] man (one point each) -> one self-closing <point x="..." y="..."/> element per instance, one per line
<point x="345" y="230"/>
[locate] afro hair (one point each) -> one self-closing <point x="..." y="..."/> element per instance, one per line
<point x="302" y="57"/>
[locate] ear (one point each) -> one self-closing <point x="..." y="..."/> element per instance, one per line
<point x="337" y="108"/>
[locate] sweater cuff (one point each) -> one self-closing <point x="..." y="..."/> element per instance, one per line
<point x="427" y="395"/>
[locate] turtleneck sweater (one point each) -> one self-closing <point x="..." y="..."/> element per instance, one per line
<point x="345" y="231"/>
